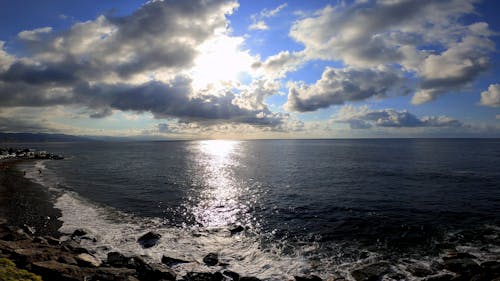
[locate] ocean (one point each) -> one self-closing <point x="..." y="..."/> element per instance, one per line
<point x="321" y="207"/>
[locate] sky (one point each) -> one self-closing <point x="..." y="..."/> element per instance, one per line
<point x="251" y="69"/>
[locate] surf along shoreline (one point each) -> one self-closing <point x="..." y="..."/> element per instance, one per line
<point x="30" y="237"/>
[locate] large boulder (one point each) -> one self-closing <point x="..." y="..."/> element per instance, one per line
<point x="149" y="239"/>
<point x="156" y="272"/>
<point x="462" y="266"/>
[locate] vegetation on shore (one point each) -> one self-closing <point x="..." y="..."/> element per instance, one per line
<point x="9" y="272"/>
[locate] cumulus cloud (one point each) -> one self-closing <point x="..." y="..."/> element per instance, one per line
<point x="258" y="20"/>
<point x="277" y="66"/>
<point x="491" y="97"/>
<point x="365" y="118"/>
<point x="426" y="39"/>
<point x="338" y="86"/>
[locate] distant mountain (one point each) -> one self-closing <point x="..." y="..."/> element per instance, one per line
<point x="39" y="137"/>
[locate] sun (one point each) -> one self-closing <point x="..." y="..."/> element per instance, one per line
<point x="220" y="61"/>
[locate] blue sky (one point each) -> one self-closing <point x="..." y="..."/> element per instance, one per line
<point x="251" y="69"/>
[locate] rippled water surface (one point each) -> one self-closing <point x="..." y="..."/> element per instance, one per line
<point x="307" y="205"/>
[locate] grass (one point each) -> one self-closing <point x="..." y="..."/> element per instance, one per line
<point x="9" y="272"/>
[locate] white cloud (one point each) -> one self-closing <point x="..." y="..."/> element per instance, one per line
<point x="426" y="39"/>
<point x="491" y="97"/>
<point x="34" y="34"/>
<point x="338" y="86"/>
<point x="258" y="20"/>
<point x="259" y="25"/>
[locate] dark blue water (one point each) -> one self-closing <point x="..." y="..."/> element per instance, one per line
<point x="403" y="198"/>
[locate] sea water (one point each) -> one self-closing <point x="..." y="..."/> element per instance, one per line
<point x="321" y="207"/>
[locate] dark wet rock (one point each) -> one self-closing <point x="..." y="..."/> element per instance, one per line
<point x="419" y="271"/>
<point x="458" y="255"/>
<point x="67" y="260"/>
<point x="56" y="271"/>
<point x="149" y="239"/>
<point x="137" y="263"/>
<point x="396" y="276"/>
<point x="203" y="276"/>
<point x="153" y="272"/>
<point x="211" y="259"/>
<point x="40" y="240"/>
<point x="371" y="272"/>
<point x="249" y="278"/>
<point x="169" y="261"/>
<point x="307" y="278"/>
<point x="79" y="232"/>
<point x="491" y="266"/>
<point x="237" y="230"/>
<point x="440" y="277"/>
<point x="114" y="274"/>
<point x="52" y="241"/>
<point x="117" y="259"/>
<point x="15" y="235"/>
<point x="74" y="247"/>
<point x="462" y="266"/>
<point x="88" y="260"/>
<point x="231" y="274"/>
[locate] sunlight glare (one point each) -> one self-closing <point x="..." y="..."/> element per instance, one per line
<point x="221" y="60"/>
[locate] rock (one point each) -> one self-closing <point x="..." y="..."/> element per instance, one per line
<point x="370" y="272"/>
<point x="15" y="235"/>
<point x="154" y="272"/>
<point x="88" y="260"/>
<point x="67" y="260"/>
<point x="237" y="229"/>
<point x="28" y="229"/>
<point x="117" y="259"/>
<point x="231" y="274"/>
<point x="73" y="247"/>
<point x="138" y="264"/>
<point x="172" y="261"/>
<point x="211" y="259"/>
<point x="149" y="239"/>
<point x="52" y="241"/>
<point x="458" y="255"/>
<point x="114" y="274"/>
<point x="249" y="279"/>
<point x="462" y="266"/>
<point x="40" y="240"/>
<point x="307" y="278"/>
<point x="440" y="277"/>
<point x="79" y="232"/>
<point x="55" y="271"/>
<point x="491" y="266"/>
<point x="396" y="276"/>
<point x="419" y="271"/>
<point x="203" y="276"/>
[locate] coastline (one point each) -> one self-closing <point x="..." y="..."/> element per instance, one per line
<point x="29" y="236"/>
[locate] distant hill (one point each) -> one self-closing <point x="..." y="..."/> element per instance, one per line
<point x="39" y="137"/>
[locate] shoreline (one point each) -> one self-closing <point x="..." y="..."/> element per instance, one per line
<point x="29" y="236"/>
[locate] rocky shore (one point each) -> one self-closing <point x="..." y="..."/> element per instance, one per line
<point x="29" y="238"/>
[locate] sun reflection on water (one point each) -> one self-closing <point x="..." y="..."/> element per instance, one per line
<point x="219" y="201"/>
